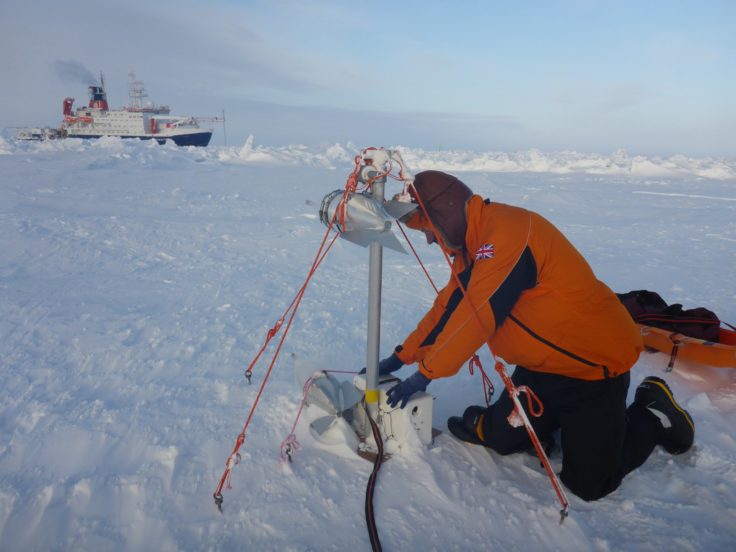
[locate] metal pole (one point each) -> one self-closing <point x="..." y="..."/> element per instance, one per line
<point x="224" y="132"/>
<point x="375" y="269"/>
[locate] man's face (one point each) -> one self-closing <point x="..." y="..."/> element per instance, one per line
<point x="418" y="221"/>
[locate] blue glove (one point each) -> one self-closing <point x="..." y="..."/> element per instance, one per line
<point x="387" y="365"/>
<point x="402" y="392"/>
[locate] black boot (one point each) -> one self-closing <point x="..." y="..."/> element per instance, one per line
<point x="678" y="430"/>
<point x="465" y="428"/>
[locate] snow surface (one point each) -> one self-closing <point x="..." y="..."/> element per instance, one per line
<point x="137" y="281"/>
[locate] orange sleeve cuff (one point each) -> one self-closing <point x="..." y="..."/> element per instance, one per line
<point x="403" y="355"/>
<point x="424" y="371"/>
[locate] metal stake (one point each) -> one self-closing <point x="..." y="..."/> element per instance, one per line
<point x="375" y="274"/>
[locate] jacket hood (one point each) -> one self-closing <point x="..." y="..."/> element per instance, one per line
<point x="444" y="196"/>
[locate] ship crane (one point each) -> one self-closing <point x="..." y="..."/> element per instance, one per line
<point x="209" y="119"/>
<point x="214" y="120"/>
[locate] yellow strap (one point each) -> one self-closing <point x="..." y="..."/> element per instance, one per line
<point x="371" y="395"/>
<point x="479" y="427"/>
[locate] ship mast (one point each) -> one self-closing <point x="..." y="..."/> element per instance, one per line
<point x="136" y="92"/>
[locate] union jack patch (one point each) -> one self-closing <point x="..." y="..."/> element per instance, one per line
<point x="485" y="251"/>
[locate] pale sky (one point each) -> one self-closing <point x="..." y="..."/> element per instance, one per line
<point x="652" y="77"/>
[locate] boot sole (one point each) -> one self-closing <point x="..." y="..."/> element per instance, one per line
<point x="664" y="387"/>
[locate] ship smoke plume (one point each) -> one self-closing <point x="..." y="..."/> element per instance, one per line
<point x="73" y="71"/>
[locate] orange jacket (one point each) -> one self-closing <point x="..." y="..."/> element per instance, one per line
<point x="540" y="304"/>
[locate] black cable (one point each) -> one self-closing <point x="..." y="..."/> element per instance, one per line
<point x="369" y="517"/>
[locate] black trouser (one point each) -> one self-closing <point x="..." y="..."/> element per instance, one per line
<point x="601" y="439"/>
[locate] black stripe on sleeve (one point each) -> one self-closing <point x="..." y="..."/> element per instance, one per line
<point x="523" y="276"/>
<point x="452" y="304"/>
